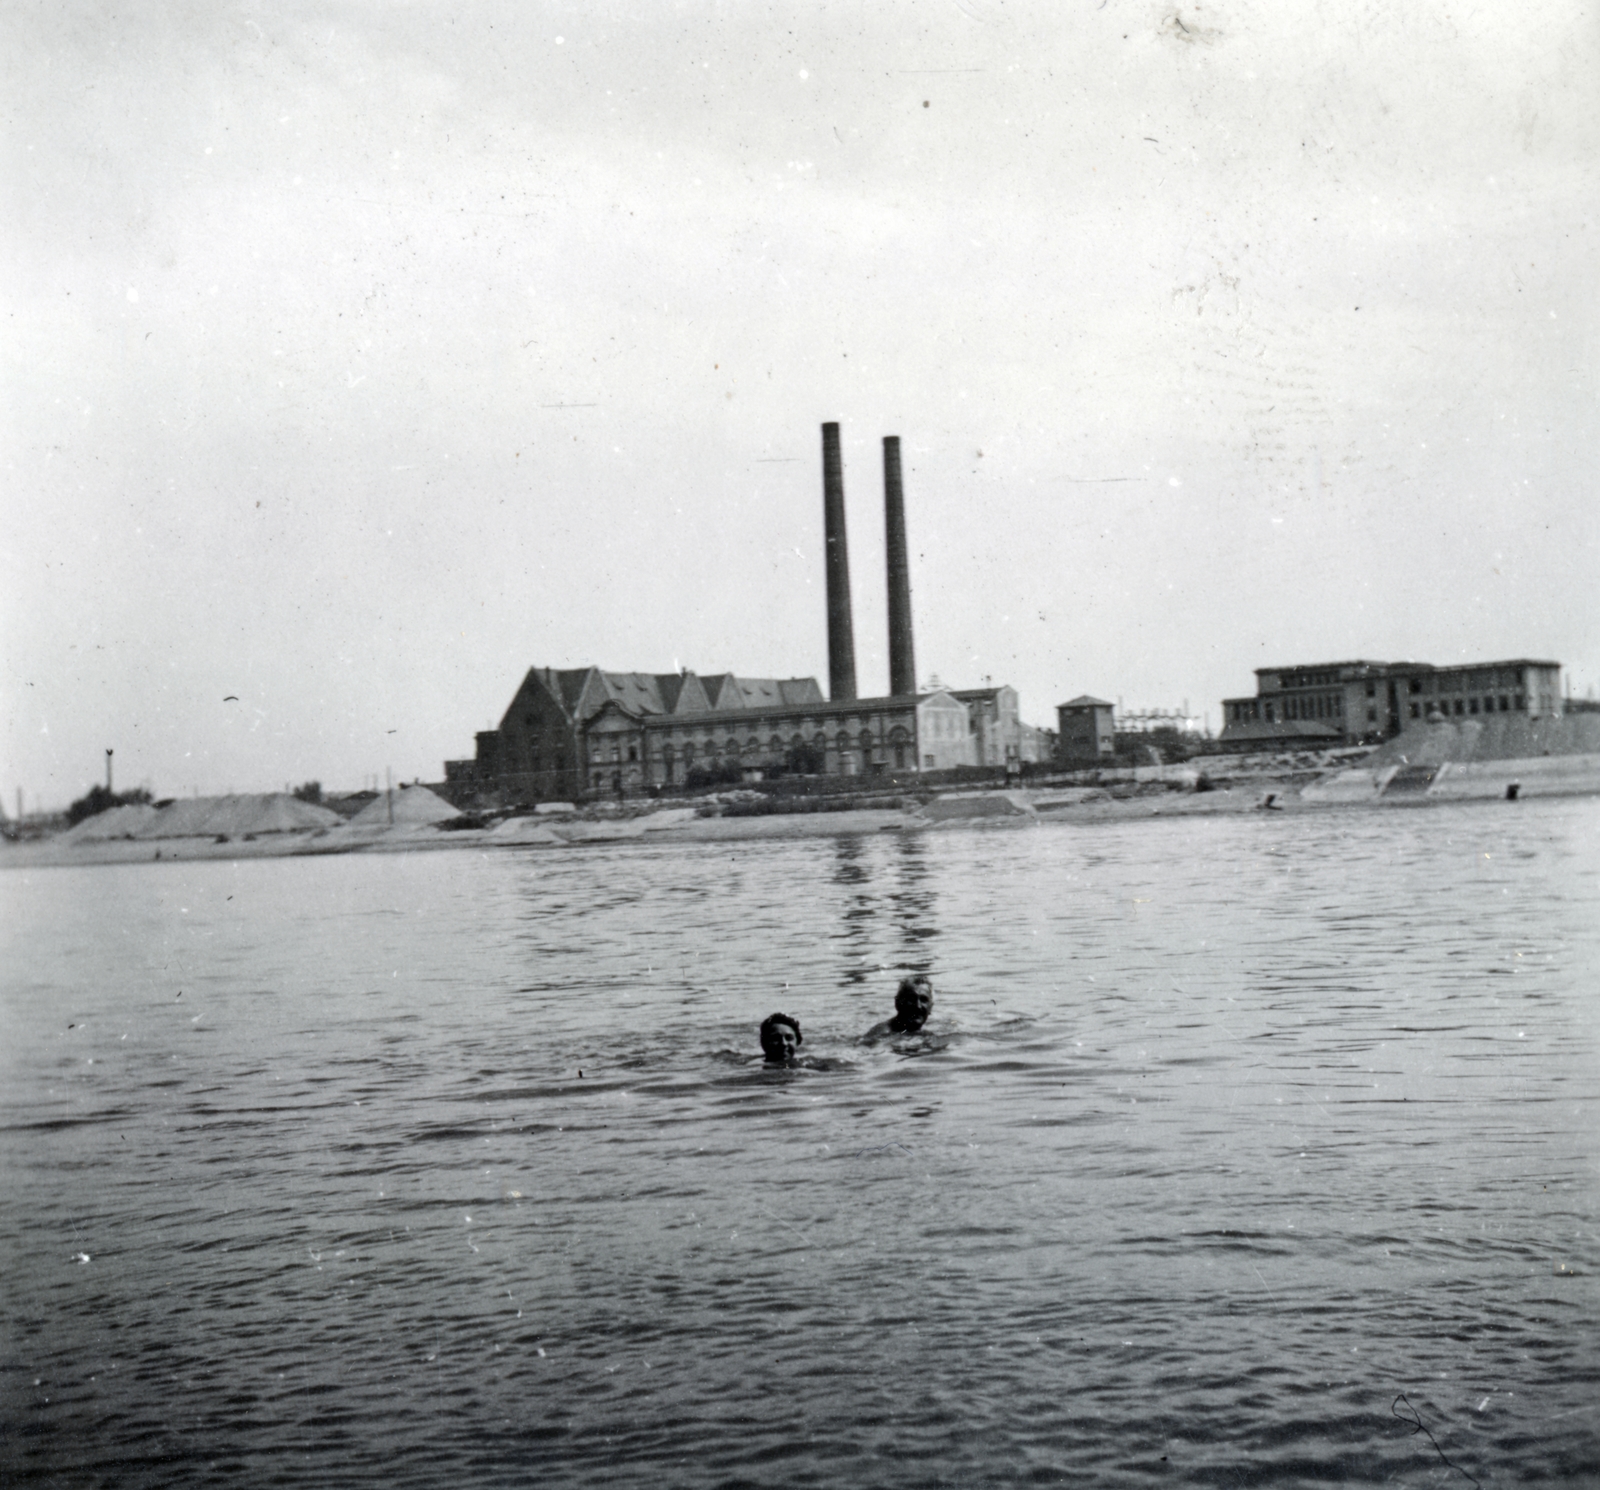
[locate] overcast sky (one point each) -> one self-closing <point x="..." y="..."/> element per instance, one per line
<point x="362" y="356"/>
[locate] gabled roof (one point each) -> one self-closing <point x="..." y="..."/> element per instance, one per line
<point x="567" y="685"/>
<point x="801" y="691"/>
<point x="775" y="693"/>
<point x="1086" y="701"/>
<point x="670" y="686"/>
<point x="638" y="693"/>
<point x="722" y="691"/>
<point x="583" y="691"/>
<point x="725" y="693"/>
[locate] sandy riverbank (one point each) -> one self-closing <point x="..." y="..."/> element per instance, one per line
<point x="1033" y="809"/>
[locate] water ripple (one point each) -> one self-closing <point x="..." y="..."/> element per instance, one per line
<point x="412" y="1169"/>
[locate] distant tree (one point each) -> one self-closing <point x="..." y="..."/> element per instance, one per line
<point x="309" y="791"/>
<point x="97" y="800"/>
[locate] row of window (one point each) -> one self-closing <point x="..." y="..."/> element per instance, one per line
<point x="1312" y="706"/>
<point x="1477" y="680"/>
<point x="1307" y="680"/>
<point x="806" y="728"/>
<point x="1474" y="680"/>
<point x="1315" y="706"/>
<point x="1489" y="705"/>
<point x="600" y="749"/>
<point x="1332" y="707"/>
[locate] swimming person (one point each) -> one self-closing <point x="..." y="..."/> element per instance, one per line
<point x="780" y="1038"/>
<point x="913" y="1003"/>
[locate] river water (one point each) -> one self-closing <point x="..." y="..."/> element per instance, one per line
<point x="1236" y="1149"/>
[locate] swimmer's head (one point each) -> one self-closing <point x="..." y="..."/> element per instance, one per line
<point x="913" y="1003"/>
<point x="780" y="1037"/>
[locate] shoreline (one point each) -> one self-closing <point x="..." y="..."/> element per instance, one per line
<point x="1068" y="807"/>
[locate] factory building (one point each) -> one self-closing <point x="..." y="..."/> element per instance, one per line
<point x="1353" y="703"/>
<point x="585" y="731"/>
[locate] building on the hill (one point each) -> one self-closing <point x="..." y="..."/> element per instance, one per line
<point x="1353" y="703"/>
<point x="1085" y="729"/>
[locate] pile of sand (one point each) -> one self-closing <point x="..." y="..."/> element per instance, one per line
<point x="413" y="806"/>
<point x="524" y="830"/>
<point x="669" y="817"/>
<point x="964" y="807"/>
<point x="114" y="822"/>
<point x="236" y="816"/>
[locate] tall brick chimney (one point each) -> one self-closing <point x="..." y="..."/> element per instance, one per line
<point x="841" y="634"/>
<point x="902" y="652"/>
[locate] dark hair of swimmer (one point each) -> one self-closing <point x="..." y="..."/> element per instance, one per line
<point x="913" y="1003"/>
<point x="780" y="1037"/>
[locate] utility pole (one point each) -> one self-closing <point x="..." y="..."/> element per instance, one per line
<point x="388" y="791"/>
<point x="108" y="772"/>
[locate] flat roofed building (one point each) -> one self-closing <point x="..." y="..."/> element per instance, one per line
<point x="1362" y="702"/>
<point x="1085" y="728"/>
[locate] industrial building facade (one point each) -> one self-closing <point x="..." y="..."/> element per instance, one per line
<point x="584" y="731"/>
<point x="1351" y="703"/>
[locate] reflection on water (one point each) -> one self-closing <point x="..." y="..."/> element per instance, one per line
<point x="1224" y="1134"/>
<point x="887" y="878"/>
<point x="913" y="899"/>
